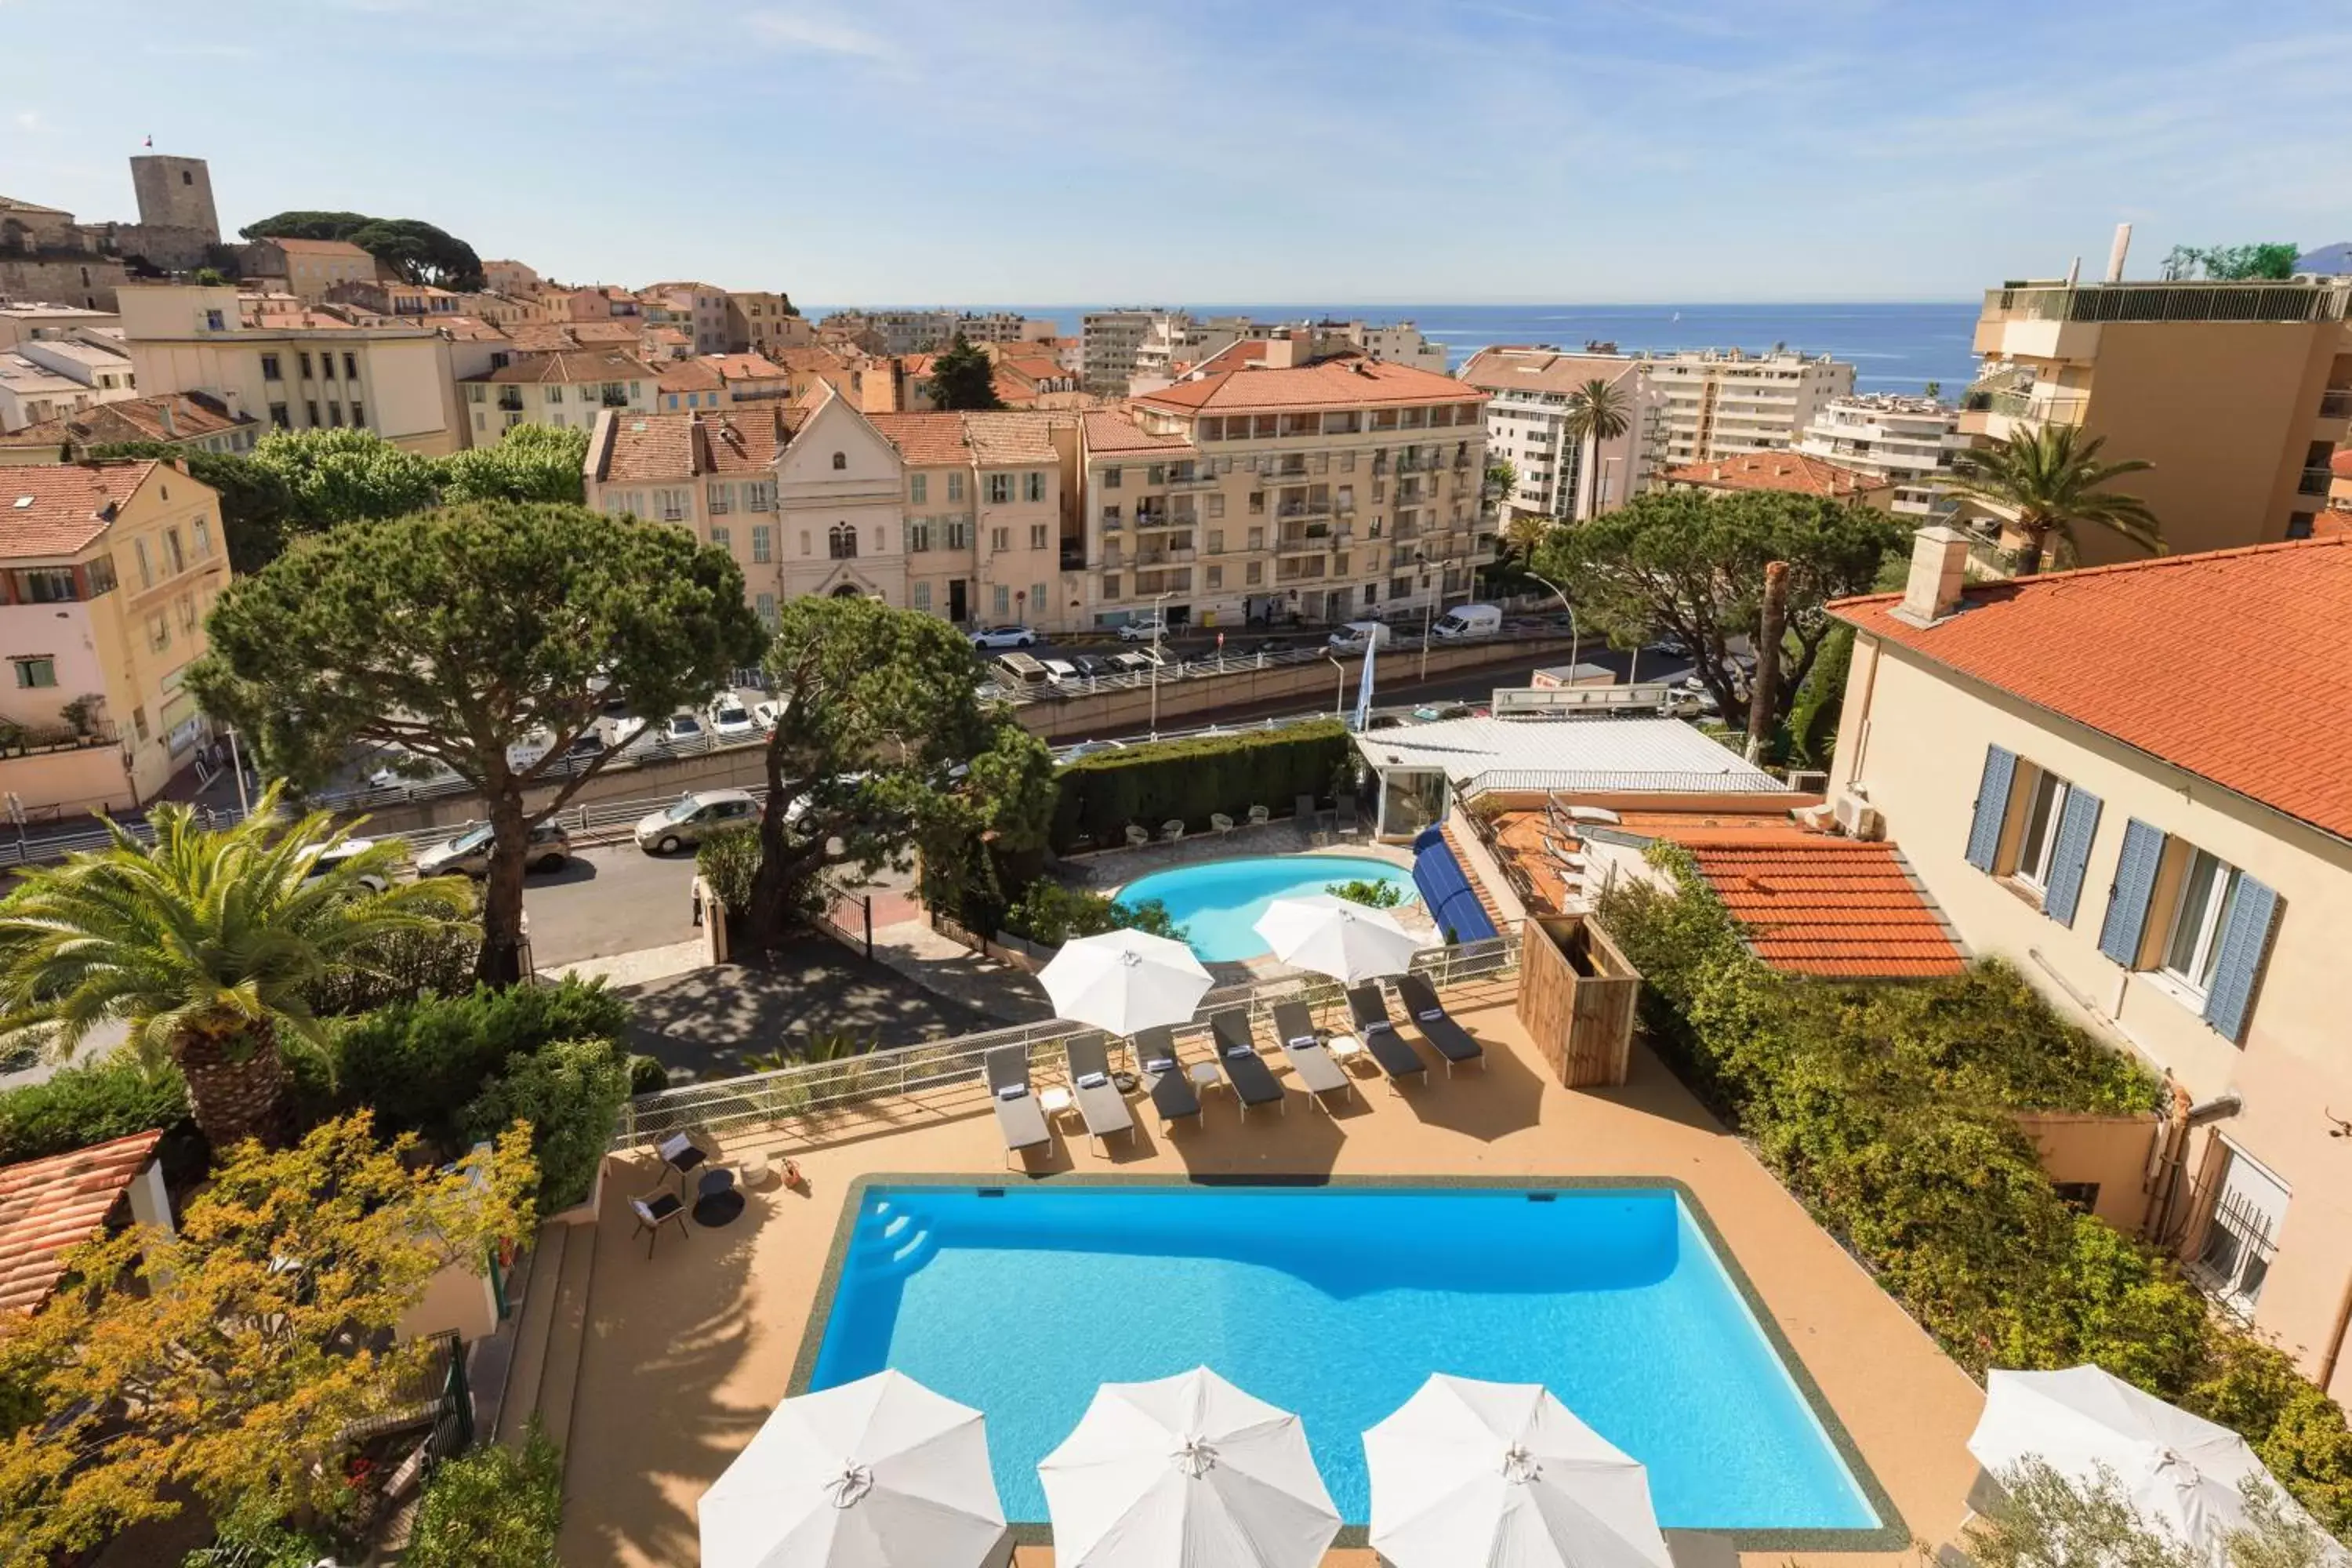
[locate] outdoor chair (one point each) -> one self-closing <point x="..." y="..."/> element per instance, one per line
<point x="1253" y="1081"/>
<point x="1220" y="821"/>
<point x="654" y="1212"/>
<point x="1138" y="837"/>
<point x="1162" y="1073"/>
<point x="1311" y="1062"/>
<point x="1396" y="1059"/>
<point x="1100" y="1104"/>
<point x="1450" y="1039"/>
<point x="1171" y="831"/>
<point x="1019" y="1117"/>
<point x="1344" y="810"/>
<point x="1258" y="816"/>
<point x="681" y="1154"/>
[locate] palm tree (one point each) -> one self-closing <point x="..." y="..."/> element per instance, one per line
<point x="2047" y="481"/>
<point x="202" y="943"/>
<point x="1596" y="413"/>
<point x="1526" y="532"/>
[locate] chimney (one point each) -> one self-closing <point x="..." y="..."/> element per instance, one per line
<point x="163" y="413"/>
<point x="2116" y="256"/>
<point x="1940" y="559"/>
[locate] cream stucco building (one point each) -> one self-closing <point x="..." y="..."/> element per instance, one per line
<point x="558" y="390"/>
<point x="1527" y="425"/>
<point x="1720" y="403"/>
<point x="2131" y="782"/>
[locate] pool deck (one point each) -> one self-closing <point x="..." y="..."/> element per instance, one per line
<point x="689" y="1351"/>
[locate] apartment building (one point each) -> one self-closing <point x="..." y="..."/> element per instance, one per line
<point x="2130" y="781"/>
<point x="894" y="332"/>
<point x="190" y="419"/>
<point x="46" y="378"/>
<point x="1003" y="327"/>
<point x="711" y="473"/>
<point x="1110" y="341"/>
<point x="291" y="366"/>
<point x="559" y="390"/>
<point x="22" y="320"/>
<point x="309" y="268"/>
<point x="2238" y="393"/>
<point x="1559" y="476"/>
<point x="759" y="320"/>
<point x="1908" y="441"/>
<point x="390" y="297"/>
<point x="1723" y="402"/>
<point x="106" y="572"/>
<point x="698" y="310"/>
<point x="1326" y="492"/>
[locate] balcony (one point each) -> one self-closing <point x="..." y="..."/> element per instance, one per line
<point x="1304" y="509"/>
<point x="510" y="401"/>
<point x="2336" y="403"/>
<point x="2315" y="481"/>
<point x="1995" y="411"/>
<point x="1181" y="481"/>
<point x="1074" y="558"/>
<point x="1298" y="570"/>
<point x="2166" y="302"/>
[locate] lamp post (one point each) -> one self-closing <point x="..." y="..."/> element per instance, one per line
<point x="1428" y="610"/>
<point x="1575" y="637"/>
<point x="1339" y="695"/>
<point x="1159" y="628"/>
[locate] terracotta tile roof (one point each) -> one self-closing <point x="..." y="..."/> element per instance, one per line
<point x="690" y="375"/>
<point x="339" y="248"/>
<point x="1035" y="367"/>
<point x="916" y="367"/>
<point x="1812" y="904"/>
<point x="2340" y="463"/>
<point x="470" y="330"/>
<point x="745" y="367"/>
<point x="1110" y="430"/>
<point x="1793" y="472"/>
<point x="582" y="364"/>
<point x="746" y="441"/>
<point x="542" y="337"/>
<point x="1507" y="367"/>
<point x="925" y="440"/>
<point x="589" y="334"/>
<point x="48" y="509"/>
<point x="1333" y="384"/>
<point x="670" y="448"/>
<point x="48" y="1207"/>
<point x="2227" y="664"/>
<point x="194" y="415"/>
<point x="1234" y="355"/>
<point x="648" y="449"/>
<point x="1009" y="438"/>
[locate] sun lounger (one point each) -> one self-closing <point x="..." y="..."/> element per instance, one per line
<point x="1019" y="1117"/>
<point x="1252" y="1080"/>
<point x="1163" y="1075"/>
<point x="1437" y="1026"/>
<point x="1100" y="1101"/>
<point x="1388" y="1047"/>
<point x="1311" y="1060"/>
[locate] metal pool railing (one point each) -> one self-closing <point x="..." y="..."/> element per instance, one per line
<point x="730" y="1105"/>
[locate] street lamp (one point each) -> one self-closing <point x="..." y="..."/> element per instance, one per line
<point x="1159" y="628"/>
<point x="1575" y="637"/>
<point x="1339" y="694"/>
<point x="1428" y="610"/>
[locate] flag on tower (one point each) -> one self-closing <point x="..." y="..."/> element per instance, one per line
<point x="148" y="142"/>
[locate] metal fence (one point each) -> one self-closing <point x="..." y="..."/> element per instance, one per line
<point x="816" y="1089"/>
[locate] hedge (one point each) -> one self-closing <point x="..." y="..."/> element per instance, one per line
<point x="1162" y="781"/>
<point x="568" y="1093"/>
<point x="1889" y="1110"/>
<point x="93" y="1102"/>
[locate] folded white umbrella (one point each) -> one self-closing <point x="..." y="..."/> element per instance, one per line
<point x="2179" y="1471"/>
<point x="1185" y="1472"/>
<point x="879" y="1473"/>
<point x="1334" y="936"/>
<point x="1123" y="981"/>
<point x="1467" y="1474"/>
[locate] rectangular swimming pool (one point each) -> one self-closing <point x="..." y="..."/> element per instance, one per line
<point x="1337" y="1302"/>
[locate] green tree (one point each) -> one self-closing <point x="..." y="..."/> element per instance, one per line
<point x="963" y="377"/>
<point x="1934" y="390"/>
<point x="209" y="277"/>
<point x="879" y="711"/>
<point x="1598" y="411"/>
<point x="335" y="476"/>
<point x="416" y="250"/>
<point x="2267" y="262"/>
<point x="1050" y="914"/>
<point x="1526" y="532"/>
<point x="226" y="1360"/>
<point x="460" y="633"/>
<point x="204" y="944"/>
<point x="2046" y="482"/>
<point x="497" y="1507"/>
<point x="1692" y="564"/>
<point x="530" y="462"/>
<point x="1502" y="479"/>
<point x="257" y="504"/>
<point x="306" y="225"/>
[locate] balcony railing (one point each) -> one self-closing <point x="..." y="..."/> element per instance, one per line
<point x="1190" y="481"/>
<point x="2060" y="408"/>
<point x="2167" y="302"/>
<point x="1304" y="509"/>
<point x="2315" y="481"/>
<point x="2336" y="403"/>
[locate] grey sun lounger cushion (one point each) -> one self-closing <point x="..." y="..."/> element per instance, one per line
<point x="1253" y="1082"/>
<point x="1163" y="1075"/>
<point x="1309" y="1058"/>
<point x="1100" y="1101"/>
<point x="1019" y="1117"/>
<point x="1396" y="1058"/>
<point x="1436" y="1025"/>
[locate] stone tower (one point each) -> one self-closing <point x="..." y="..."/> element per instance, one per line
<point x="175" y="193"/>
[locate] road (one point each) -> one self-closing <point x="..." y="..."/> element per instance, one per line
<point x="609" y="900"/>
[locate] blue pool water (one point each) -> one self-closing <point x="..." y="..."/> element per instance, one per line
<point x="1336" y="1303"/>
<point x="1217" y="902"/>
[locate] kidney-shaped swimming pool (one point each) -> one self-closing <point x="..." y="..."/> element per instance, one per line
<point x="1218" y="903"/>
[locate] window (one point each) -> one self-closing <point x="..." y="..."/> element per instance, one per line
<point x="1214" y="505"/>
<point x="271" y="370"/>
<point x="1110" y="478"/>
<point x="767" y="608"/>
<point x="358" y="415"/>
<point x="722" y="539"/>
<point x="34" y="672"/>
<point x="1003" y="600"/>
<point x="959" y="533"/>
<point x="922" y="600"/>
<point x="1000" y="488"/>
<point x="719" y="497"/>
<point x="555" y="394"/>
<point x="2192" y="949"/>
<point x="2242" y="1233"/>
<point x="764" y="547"/>
<point x="146" y="568"/>
<point x="278" y="421"/>
<point x="759" y="495"/>
<point x="100" y="574"/>
<point x="918" y="534"/>
<point x="334" y="413"/>
<point x="311" y="412"/>
<point x="351" y="367"/>
<point x="1253" y="572"/>
<point x="214" y="321"/>
<point x="1036" y="536"/>
<point x="171" y="552"/>
<point x="1110" y="585"/>
<point x="1257" y="539"/>
<point x="1216" y="576"/>
<point x="841" y="543"/>
<point x="918" y="489"/>
<point x="158" y="632"/>
<point x="676" y="506"/>
<point x="478" y="421"/>
<point x="303" y="359"/>
<point x="955" y="487"/>
<point x="1037" y="596"/>
<point x="840" y="461"/>
<point x="1000" y="539"/>
<point x="1033" y="485"/>
<point x="2045" y="799"/>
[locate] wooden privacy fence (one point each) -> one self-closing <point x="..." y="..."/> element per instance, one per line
<point x="1575" y="998"/>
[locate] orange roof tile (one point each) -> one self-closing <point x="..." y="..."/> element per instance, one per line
<point x="925" y="440"/>
<point x="667" y="449"/>
<point x="1832" y="906"/>
<point x="2226" y="665"/>
<point x="49" y="510"/>
<point x="194" y="415"/>
<point x="1332" y="383"/>
<point x="745" y="366"/>
<point x="1793" y="472"/>
<point x="596" y="365"/>
<point x="48" y="1207"/>
<point x="339" y="248"/>
<point x="1110" y="430"/>
<point x="690" y="375"/>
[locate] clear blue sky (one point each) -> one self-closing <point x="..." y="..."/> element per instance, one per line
<point x="1336" y="151"/>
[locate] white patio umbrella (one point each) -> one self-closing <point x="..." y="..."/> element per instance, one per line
<point x="2179" y="1471"/>
<point x="1183" y="1471"/>
<point x="1347" y="941"/>
<point x="1123" y="981"/>
<point x="1469" y="1473"/>
<point x="879" y="1473"/>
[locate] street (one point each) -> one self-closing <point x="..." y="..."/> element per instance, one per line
<point x="608" y="901"/>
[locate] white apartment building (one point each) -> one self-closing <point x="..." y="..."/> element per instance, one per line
<point x="1110" y="341"/>
<point x="1527" y="425"/>
<point x="1720" y="403"/>
<point x="43" y="378"/>
<point x="1398" y="342"/>
<point x="1910" y="440"/>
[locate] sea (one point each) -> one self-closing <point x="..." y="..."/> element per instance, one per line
<point x="1893" y="347"/>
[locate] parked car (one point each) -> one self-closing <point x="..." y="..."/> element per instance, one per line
<point x="729" y="719"/>
<point x="1087" y="749"/>
<point x="1135" y="661"/>
<point x="1143" y="628"/>
<point x="397" y="768"/>
<point x="1672" y="647"/>
<point x="690" y="819"/>
<point x="991" y="638"/>
<point x="468" y="854"/>
<point x="590" y="744"/>
<point x="767" y="714"/>
<point x="1094" y="666"/>
<point x="1356" y="636"/>
<point x="1020" y="671"/>
<point x="1061" y="671"/>
<point x="326" y="861"/>
<point x="679" y="729"/>
<point x="1469" y="621"/>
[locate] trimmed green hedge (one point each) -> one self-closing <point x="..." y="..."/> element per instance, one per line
<point x="1889" y="1110"/>
<point x="96" y="1101"/>
<point x="1165" y="780"/>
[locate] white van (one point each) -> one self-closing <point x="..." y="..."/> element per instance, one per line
<point x="1021" y="671"/>
<point x="1469" y="621"/>
<point x="1356" y="636"/>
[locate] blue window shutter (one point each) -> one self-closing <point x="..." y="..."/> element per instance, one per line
<point x="1992" y="805"/>
<point x="2128" y="897"/>
<point x="2077" y="825"/>
<point x="2245" y="943"/>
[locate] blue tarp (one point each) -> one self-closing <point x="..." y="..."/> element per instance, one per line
<point x="1452" y="902"/>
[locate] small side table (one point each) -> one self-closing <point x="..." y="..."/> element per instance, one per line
<point x="1054" y="1100"/>
<point x="751" y="1169"/>
<point x="716" y="1202"/>
<point x="1205" y="1076"/>
<point x="1344" y="1048"/>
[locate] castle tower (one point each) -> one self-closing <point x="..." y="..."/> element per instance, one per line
<point x="175" y="193"/>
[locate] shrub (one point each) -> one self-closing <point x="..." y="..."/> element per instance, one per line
<point x="648" y="1076"/>
<point x="1050" y="914"/>
<point x="568" y="1093"/>
<point x="1100" y="794"/>
<point x="1377" y="895"/>
<point x="402" y="967"/>
<point x="92" y="1102"/>
<point x="729" y="861"/>
<point x="493" y="1507"/>
<point x="419" y="1064"/>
